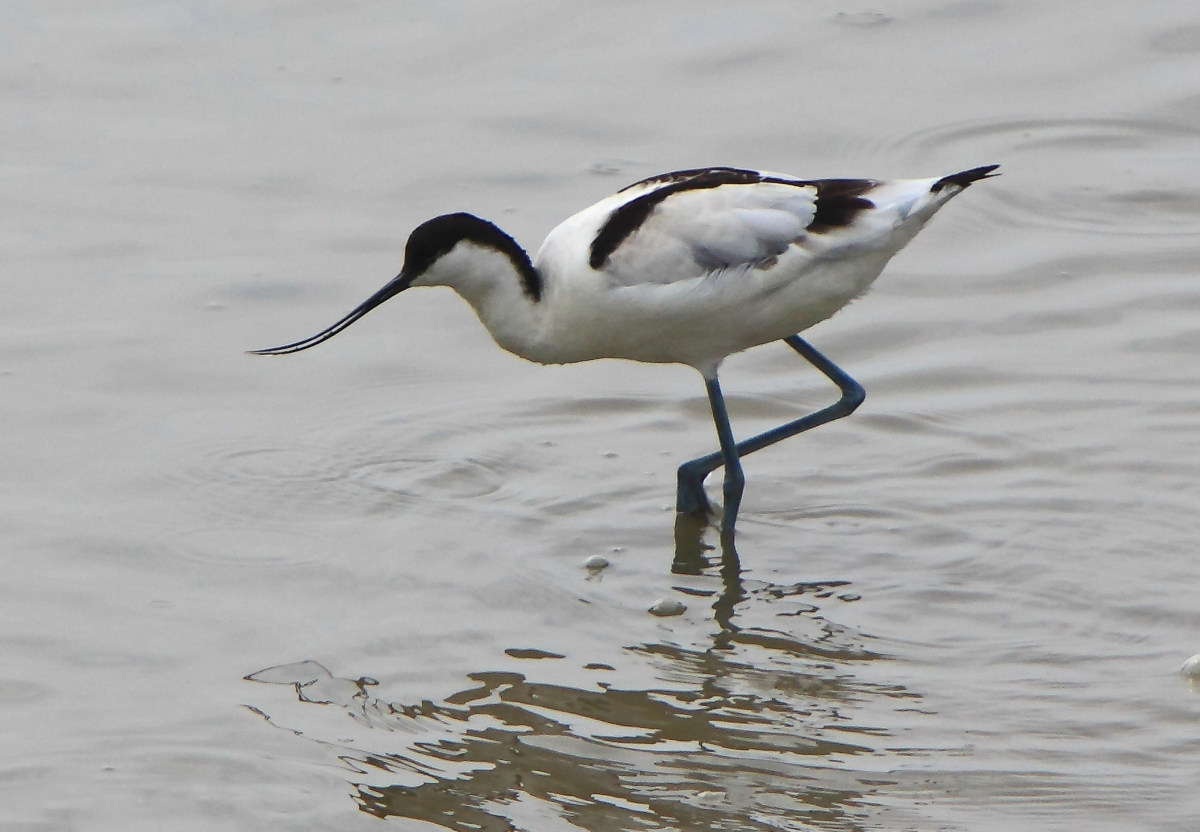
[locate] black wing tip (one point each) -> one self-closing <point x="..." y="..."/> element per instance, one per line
<point x="964" y="178"/>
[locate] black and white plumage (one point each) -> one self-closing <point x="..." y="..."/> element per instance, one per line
<point x="686" y="267"/>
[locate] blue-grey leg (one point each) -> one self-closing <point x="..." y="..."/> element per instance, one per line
<point x="735" y="480"/>
<point x="690" y="497"/>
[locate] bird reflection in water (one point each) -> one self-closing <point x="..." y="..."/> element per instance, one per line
<point x="756" y="730"/>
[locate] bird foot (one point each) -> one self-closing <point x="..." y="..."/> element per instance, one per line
<point x="690" y="497"/>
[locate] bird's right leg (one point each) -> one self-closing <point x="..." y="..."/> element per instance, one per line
<point x="852" y="396"/>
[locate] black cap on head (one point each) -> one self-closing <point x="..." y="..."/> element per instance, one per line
<point x="435" y="238"/>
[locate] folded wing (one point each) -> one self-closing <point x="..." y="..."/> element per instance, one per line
<point x="692" y="223"/>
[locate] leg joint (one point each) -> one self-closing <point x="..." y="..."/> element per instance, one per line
<point x="853" y="394"/>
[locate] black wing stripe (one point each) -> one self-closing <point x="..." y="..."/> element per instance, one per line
<point x="696" y="173"/>
<point x="630" y="216"/>
<point x="839" y="201"/>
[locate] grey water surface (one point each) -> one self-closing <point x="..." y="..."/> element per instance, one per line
<point x="345" y="589"/>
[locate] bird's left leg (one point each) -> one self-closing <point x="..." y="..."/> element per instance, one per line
<point x="691" y="497"/>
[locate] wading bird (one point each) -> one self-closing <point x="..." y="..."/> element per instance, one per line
<point x="684" y="268"/>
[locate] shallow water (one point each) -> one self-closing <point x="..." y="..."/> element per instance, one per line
<point x="962" y="608"/>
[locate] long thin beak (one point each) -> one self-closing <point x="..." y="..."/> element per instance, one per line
<point x="394" y="287"/>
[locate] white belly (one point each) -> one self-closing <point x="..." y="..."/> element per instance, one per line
<point x="696" y="322"/>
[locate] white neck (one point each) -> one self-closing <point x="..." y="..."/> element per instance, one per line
<point x="487" y="279"/>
